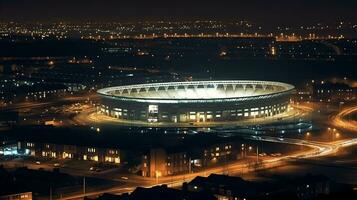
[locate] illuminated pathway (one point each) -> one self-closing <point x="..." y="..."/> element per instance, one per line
<point x="90" y="117"/>
<point x="341" y="119"/>
<point x="316" y="149"/>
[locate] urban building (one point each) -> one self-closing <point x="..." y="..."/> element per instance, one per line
<point x="159" y="162"/>
<point x="235" y="188"/>
<point x="61" y="151"/>
<point x="214" y="153"/>
<point x="17" y="196"/>
<point x="158" y="192"/>
<point x="333" y="92"/>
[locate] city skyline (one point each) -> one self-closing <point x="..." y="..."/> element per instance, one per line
<point x="213" y="100"/>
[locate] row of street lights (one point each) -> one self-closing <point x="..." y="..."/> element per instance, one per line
<point x="332" y="131"/>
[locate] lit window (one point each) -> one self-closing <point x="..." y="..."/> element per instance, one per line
<point x="95" y="158"/>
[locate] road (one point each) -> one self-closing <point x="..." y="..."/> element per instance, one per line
<point x="34" y="104"/>
<point x="316" y="149"/>
<point x="90" y="116"/>
<point x="342" y="119"/>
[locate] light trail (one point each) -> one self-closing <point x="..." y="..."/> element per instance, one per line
<point x="341" y="119"/>
<point x="317" y="149"/>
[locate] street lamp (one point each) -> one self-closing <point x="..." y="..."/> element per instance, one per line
<point x="307" y="134"/>
<point x="340" y="106"/>
<point x="337" y="135"/>
<point x="157" y="175"/>
<point x="333" y="132"/>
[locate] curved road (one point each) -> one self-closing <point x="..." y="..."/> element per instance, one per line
<point x="341" y="119"/>
<point x="316" y="149"/>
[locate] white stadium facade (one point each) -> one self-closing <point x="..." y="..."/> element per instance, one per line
<point x="196" y="101"/>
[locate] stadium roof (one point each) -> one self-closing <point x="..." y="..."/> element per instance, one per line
<point x="197" y="91"/>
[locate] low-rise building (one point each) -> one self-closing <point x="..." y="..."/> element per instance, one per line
<point x="333" y="92"/>
<point x="60" y="151"/>
<point x="159" y="162"/>
<point x="235" y="188"/>
<point x="157" y="193"/>
<point x="17" y="196"/>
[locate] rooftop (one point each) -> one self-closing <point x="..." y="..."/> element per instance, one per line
<point x="196" y="90"/>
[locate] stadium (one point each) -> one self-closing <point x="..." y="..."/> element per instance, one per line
<point x="195" y="101"/>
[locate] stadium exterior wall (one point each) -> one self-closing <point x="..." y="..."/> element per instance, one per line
<point x="196" y="110"/>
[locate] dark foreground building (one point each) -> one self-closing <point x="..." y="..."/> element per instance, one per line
<point x="228" y="187"/>
<point x="159" y="192"/>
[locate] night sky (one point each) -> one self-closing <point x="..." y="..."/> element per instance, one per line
<point x="262" y="11"/>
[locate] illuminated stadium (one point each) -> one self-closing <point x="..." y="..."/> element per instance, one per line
<point x="196" y="101"/>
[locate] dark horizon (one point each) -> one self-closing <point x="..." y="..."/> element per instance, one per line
<point x="270" y="13"/>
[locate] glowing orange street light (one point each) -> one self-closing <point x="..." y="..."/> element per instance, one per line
<point x="337" y="135"/>
<point x="157" y="175"/>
